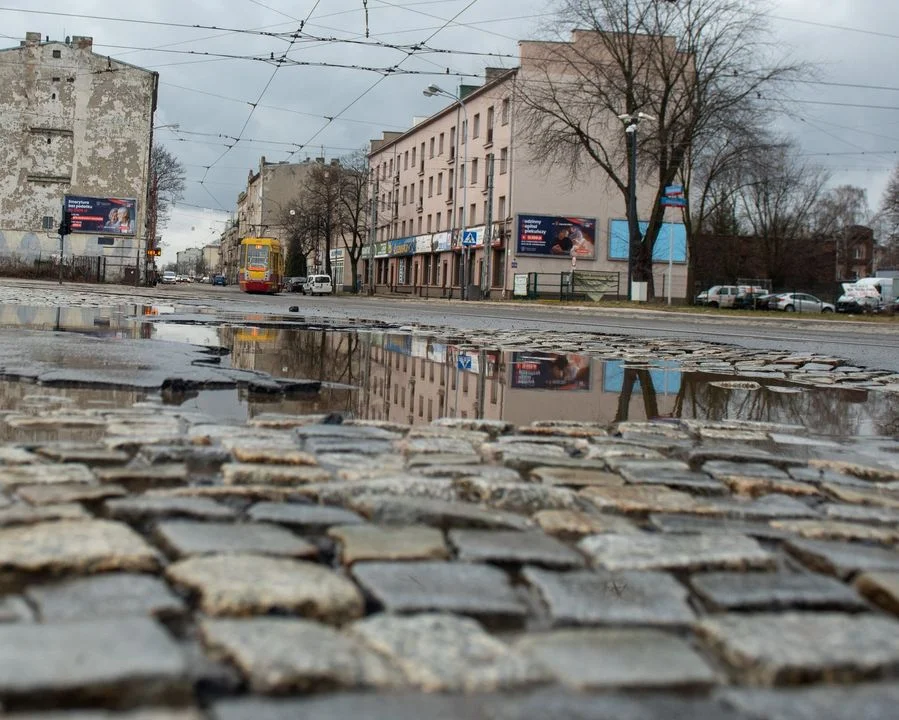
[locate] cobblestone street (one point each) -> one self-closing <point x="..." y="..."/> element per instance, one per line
<point x="158" y="562"/>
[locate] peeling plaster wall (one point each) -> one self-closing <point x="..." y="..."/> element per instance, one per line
<point x="76" y="124"/>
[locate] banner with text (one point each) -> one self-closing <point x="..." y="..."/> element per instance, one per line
<point x="101" y="216"/>
<point x="543" y="371"/>
<point x="553" y="236"/>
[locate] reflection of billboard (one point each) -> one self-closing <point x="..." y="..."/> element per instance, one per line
<point x="544" y="371"/>
<point x="673" y="234"/>
<point x="562" y="237"/>
<point x="665" y="377"/>
<point x="102" y="216"/>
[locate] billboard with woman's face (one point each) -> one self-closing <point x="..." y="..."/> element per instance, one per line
<point x="102" y="216"/>
<point x="551" y="236"/>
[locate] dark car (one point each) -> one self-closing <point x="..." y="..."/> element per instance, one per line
<point x="295" y="284"/>
<point x="219" y="280"/>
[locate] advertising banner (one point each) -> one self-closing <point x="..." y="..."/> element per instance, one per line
<point x="547" y="371"/>
<point x="101" y="216"/>
<point x="403" y="246"/>
<point x="562" y="237"/>
<point x="423" y="244"/>
<point x="443" y="241"/>
<point x="670" y="234"/>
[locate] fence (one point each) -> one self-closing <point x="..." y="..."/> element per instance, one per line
<point x="572" y="285"/>
<point x="75" y="268"/>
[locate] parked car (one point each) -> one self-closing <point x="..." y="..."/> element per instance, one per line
<point x="318" y="285"/>
<point x="169" y="278"/>
<point x="726" y="296"/>
<point x="752" y="299"/>
<point x="867" y="295"/>
<point x="799" y="302"/>
<point x="295" y="284"/>
<point x="219" y="280"/>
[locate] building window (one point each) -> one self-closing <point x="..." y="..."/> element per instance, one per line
<point x="490" y="124"/>
<point x="413" y="157"/>
<point x="405" y="194"/>
<point x="501" y="207"/>
<point x="404" y="228"/>
<point x="57" y="54"/>
<point x="505" y="112"/>
<point x="406" y="160"/>
<point x="391" y="167"/>
<point x="859" y="253"/>
<point x="476" y="125"/>
<point x="462" y="175"/>
<point x="48" y="222"/>
<point x="412" y="193"/>
<point x="429" y="222"/>
<point x="472" y="214"/>
<point x="419" y="225"/>
<point x="431" y="186"/>
<point x="440" y="144"/>
<point x="432" y="148"/>
<point x="421" y="190"/>
<point x="474" y="171"/>
<point x="464" y="131"/>
<point x="421" y="165"/>
<point x="452" y="142"/>
<point x="439" y="219"/>
<point x="440" y="183"/>
<point x="503" y="160"/>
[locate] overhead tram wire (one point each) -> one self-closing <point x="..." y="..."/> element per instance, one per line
<point x="259" y="99"/>
<point x="376" y="83"/>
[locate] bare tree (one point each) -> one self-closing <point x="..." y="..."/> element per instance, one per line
<point x="322" y="206"/>
<point x="839" y="213"/>
<point x="300" y="234"/>
<point x="689" y="65"/>
<point x="354" y="211"/>
<point x="168" y="181"/>
<point x="887" y="221"/>
<point x="778" y="204"/>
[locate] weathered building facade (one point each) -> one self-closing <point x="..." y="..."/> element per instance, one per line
<point x="433" y="183"/>
<point x="73" y="122"/>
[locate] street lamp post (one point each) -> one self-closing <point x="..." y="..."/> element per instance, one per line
<point x="431" y="91"/>
<point x="631" y="120"/>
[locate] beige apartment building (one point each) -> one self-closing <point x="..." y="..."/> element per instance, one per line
<point x="433" y="183"/>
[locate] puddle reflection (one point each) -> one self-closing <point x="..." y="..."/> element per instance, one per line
<point x="409" y="378"/>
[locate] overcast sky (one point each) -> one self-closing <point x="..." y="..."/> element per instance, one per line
<point x="852" y="131"/>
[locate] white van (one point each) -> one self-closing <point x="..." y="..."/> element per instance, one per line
<point x="318" y="285"/>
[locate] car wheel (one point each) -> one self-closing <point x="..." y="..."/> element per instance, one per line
<point x="790" y="308"/>
<point x="826" y="310"/>
<point x="713" y="304"/>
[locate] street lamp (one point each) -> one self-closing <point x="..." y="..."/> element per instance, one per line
<point x="631" y="120"/>
<point x="431" y="91"/>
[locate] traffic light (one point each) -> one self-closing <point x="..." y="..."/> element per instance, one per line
<point x="154" y="252"/>
<point x="65" y="227"/>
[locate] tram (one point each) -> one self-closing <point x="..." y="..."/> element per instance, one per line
<point x="261" y="265"/>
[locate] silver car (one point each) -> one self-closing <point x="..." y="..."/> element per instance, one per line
<point x="799" y="302"/>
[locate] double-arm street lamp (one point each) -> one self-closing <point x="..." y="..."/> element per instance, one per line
<point x="431" y="91"/>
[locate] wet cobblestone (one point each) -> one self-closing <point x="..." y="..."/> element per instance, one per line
<point x="489" y="583"/>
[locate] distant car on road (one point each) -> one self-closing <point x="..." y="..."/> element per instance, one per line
<point x="799" y="302"/>
<point x="318" y="285"/>
<point x="169" y="278"/>
<point x="219" y="280"/>
<point x="295" y="284"/>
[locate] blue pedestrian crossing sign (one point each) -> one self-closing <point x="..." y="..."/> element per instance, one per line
<point x="469" y="237"/>
<point x="463" y="362"/>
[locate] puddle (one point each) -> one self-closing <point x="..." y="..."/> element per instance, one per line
<point x="414" y="378"/>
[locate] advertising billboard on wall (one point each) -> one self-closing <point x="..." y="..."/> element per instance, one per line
<point x="550" y="371"/>
<point x="553" y="236"/>
<point x="672" y="235"/>
<point x="101" y="216"/>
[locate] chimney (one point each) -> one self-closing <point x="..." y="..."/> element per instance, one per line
<point x="32" y="38"/>
<point x="83" y="42"/>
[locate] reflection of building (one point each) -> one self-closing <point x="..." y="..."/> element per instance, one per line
<point x="544" y="219"/>
<point x="73" y="123"/>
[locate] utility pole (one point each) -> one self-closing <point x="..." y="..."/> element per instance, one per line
<point x="487" y="281"/>
<point x="372" y="234"/>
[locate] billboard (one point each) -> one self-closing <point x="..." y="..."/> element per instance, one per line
<point x="554" y="236"/>
<point x="673" y="234"/>
<point x="102" y="216"/>
<point x="550" y="371"/>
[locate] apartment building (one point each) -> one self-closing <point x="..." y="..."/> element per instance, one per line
<point x="438" y="202"/>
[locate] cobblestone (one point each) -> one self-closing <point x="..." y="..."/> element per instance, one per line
<point x="465" y="568"/>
